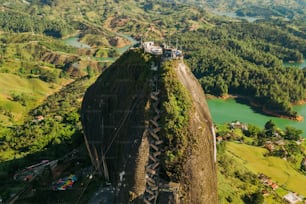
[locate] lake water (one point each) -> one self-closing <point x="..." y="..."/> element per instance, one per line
<point x="74" y="42"/>
<point x="296" y="64"/>
<point x="234" y="15"/>
<point x="125" y="48"/>
<point x="230" y="110"/>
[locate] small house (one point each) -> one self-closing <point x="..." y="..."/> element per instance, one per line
<point x="269" y="146"/>
<point x="219" y="139"/>
<point x="292" y="198"/>
<point x="280" y="142"/>
<point x="269" y="182"/>
<point x="39" y="118"/>
<point x="265" y="192"/>
<point x="274" y="186"/>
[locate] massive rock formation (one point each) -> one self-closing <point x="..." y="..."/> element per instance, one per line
<point x="123" y="118"/>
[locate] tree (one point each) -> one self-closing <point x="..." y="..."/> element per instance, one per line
<point x="90" y="72"/>
<point x="255" y="198"/>
<point x="48" y="76"/>
<point x="292" y="133"/>
<point x="72" y="117"/>
<point x="292" y="148"/>
<point x="221" y="147"/>
<point x="270" y="128"/>
<point x="113" y="53"/>
<point x="253" y="131"/>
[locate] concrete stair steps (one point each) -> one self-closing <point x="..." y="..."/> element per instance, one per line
<point x="146" y="201"/>
<point x="153" y="97"/>
<point x="156" y="93"/>
<point x="151" y="198"/>
<point x="155" y="136"/>
<point x="155" y="165"/>
<point x="151" y="171"/>
<point x="156" y="130"/>
<point x="153" y="158"/>
<point x="156" y="118"/>
<point x="149" y="191"/>
<point x="158" y="142"/>
<point x="154" y="123"/>
<point x="155" y="154"/>
<point x="154" y="147"/>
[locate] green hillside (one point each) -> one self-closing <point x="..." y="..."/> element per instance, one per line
<point x="239" y="167"/>
<point x="31" y="92"/>
<point x="278" y="169"/>
<point x="41" y="75"/>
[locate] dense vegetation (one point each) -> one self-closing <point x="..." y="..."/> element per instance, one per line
<point x="246" y="59"/>
<point x="228" y="57"/>
<point x="238" y="4"/>
<point x="268" y="143"/>
<point x="177" y="105"/>
<point x="50" y="131"/>
<point x="35" y="66"/>
<point x="257" y="11"/>
<point x="16" y="22"/>
<point x="53" y="122"/>
<point x="287" y="140"/>
<point x="247" y="187"/>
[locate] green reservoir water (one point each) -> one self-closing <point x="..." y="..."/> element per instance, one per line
<point x="296" y="64"/>
<point x="230" y="110"/>
<point x="74" y="42"/>
<point x="234" y="15"/>
<point x="125" y="48"/>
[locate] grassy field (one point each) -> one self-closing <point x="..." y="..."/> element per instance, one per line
<point x="226" y="189"/>
<point x="34" y="91"/>
<point x="278" y="169"/>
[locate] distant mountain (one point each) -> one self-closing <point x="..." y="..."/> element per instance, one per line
<point x="290" y="9"/>
<point x="233" y="4"/>
<point x="134" y="16"/>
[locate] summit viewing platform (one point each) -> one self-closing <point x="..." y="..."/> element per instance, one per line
<point x="164" y="50"/>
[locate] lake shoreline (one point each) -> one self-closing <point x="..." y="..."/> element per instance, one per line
<point x="263" y="109"/>
<point x="71" y="35"/>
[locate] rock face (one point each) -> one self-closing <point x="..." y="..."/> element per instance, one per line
<point x="123" y="133"/>
<point x="201" y="166"/>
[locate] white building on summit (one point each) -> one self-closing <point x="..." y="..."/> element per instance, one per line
<point x="167" y="52"/>
<point x="149" y="47"/>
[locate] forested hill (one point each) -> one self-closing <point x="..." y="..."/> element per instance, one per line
<point x="251" y="56"/>
<point x="234" y="4"/>
<point x="287" y="9"/>
<point x="247" y="59"/>
<point x="150" y="18"/>
<point x="59" y="18"/>
<point x="43" y="77"/>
